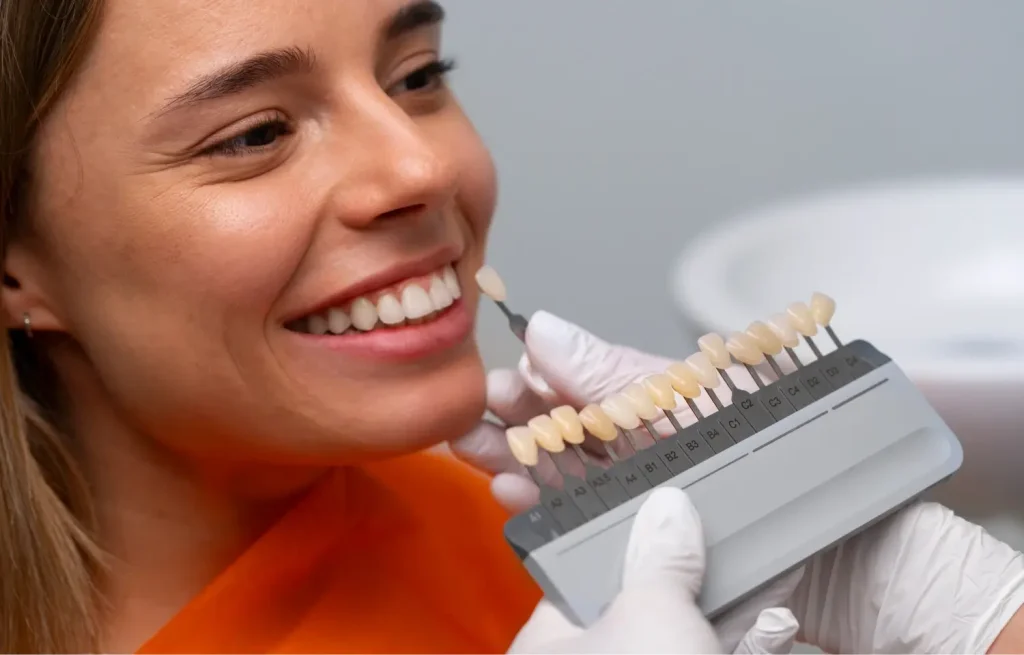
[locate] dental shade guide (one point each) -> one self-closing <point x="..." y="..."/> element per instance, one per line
<point x="812" y="457"/>
<point x="492" y="286"/>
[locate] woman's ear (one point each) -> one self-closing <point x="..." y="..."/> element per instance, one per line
<point x="25" y="301"/>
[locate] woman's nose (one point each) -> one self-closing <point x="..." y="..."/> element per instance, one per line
<point x="395" y="165"/>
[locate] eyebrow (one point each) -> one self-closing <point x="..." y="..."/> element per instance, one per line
<point x="274" y="64"/>
<point x="243" y="75"/>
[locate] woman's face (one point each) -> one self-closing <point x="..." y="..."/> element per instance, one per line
<point x="259" y="222"/>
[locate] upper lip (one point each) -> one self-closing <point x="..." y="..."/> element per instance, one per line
<point x="385" y="278"/>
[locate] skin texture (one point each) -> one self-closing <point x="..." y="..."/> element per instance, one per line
<point x="159" y="275"/>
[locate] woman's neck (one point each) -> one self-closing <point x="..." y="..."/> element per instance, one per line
<point x="169" y="526"/>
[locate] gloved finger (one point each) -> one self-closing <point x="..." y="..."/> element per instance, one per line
<point x="485" y="447"/>
<point x="547" y="625"/>
<point x="666" y="544"/>
<point x="515" y="492"/>
<point x="536" y="383"/>
<point x="580" y="367"/>
<point x="510" y="399"/>
<point x="733" y="626"/>
<point x="773" y="633"/>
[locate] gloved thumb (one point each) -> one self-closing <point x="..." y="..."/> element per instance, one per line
<point x="666" y="546"/>
<point x="565" y="363"/>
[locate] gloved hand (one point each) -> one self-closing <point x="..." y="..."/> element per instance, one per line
<point x="575" y="367"/>
<point x="888" y="589"/>
<point x="655" y="611"/>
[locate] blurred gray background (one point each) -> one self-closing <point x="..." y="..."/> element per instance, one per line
<point x="620" y="129"/>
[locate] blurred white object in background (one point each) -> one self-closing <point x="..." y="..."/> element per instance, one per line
<point x="932" y="273"/>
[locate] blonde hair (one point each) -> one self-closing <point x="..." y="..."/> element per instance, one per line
<point x="49" y="563"/>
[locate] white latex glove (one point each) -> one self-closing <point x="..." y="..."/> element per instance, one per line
<point x="922" y="581"/>
<point x="655" y="611"/>
<point x="579" y="368"/>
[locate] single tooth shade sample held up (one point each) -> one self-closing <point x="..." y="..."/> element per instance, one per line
<point x="492" y="286"/>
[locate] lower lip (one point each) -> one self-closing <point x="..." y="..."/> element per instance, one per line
<point x="407" y="342"/>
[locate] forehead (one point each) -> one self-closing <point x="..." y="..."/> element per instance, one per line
<point x="157" y="44"/>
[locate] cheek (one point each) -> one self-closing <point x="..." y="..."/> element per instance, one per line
<point x="478" y="185"/>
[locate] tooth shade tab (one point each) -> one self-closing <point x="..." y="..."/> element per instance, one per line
<point x="705" y="372"/>
<point x="684" y="378"/>
<point x="766" y="340"/>
<point x="802" y="319"/>
<point x="659" y="388"/>
<point x="713" y="345"/>
<point x="620" y="410"/>
<point x="641" y="402"/>
<point x="569" y="423"/>
<point x="823" y="308"/>
<point x="523" y="443"/>
<point x="491" y="284"/>
<point x="783" y="328"/>
<point x="598" y="423"/>
<point x="547" y="433"/>
<point x="744" y="349"/>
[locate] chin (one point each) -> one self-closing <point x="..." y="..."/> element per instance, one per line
<point x="428" y="410"/>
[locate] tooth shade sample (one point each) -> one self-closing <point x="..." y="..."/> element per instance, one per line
<point x="451" y="280"/>
<point x="598" y="423"/>
<point x="659" y="388"/>
<point x="389" y="310"/>
<point x="523" y="444"/>
<point x="415" y="302"/>
<point x="439" y="294"/>
<point x="823" y="308"/>
<point x="705" y="372"/>
<point x="641" y="402"/>
<point x="684" y="378"/>
<point x="802" y="319"/>
<point x="744" y="349"/>
<point x="547" y="433"/>
<point x="621" y="412"/>
<point x="491" y="284"/>
<point x="338" y="321"/>
<point x="713" y="345"/>
<point x="569" y="423"/>
<point x="764" y="338"/>
<point x="318" y="324"/>
<point x="364" y="314"/>
<point x="783" y="328"/>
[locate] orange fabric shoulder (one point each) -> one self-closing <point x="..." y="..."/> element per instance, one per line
<point x="401" y="556"/>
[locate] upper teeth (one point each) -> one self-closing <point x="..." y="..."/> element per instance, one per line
<point x="414" y="301"/>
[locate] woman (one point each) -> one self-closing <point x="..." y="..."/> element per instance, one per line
<point x="237" y="240"/>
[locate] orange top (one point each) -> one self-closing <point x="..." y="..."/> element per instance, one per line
<point x="401" y="556"/>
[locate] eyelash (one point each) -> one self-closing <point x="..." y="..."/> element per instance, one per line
<point x="432" y="73"/>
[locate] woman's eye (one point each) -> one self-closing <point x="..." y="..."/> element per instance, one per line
<point x="425" y="78"/>
<point x="254" y="139"/>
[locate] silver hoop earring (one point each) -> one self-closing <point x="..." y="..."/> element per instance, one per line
<point x="28" y="324"/>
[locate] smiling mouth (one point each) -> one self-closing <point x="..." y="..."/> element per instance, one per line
<point x="413" y="301"/>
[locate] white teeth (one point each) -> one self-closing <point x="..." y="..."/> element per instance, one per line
<point x="451" y="281"/>
<point x="440" y="296"/>
<point x="389" y="310"/>
<point x="317" y="324"/>
<point x="392" y="309"/>
<point x="415" y="302"/>
<point x="338" y="320"/>
<point x="364" y="314"/>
